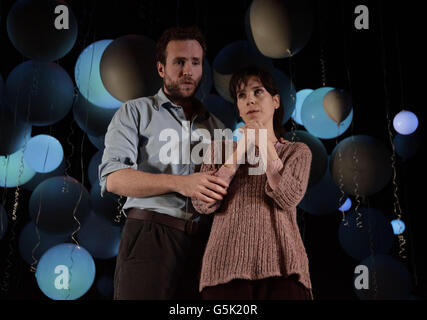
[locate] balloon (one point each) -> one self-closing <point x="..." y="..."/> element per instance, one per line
<point x="319" y="154"/>
<point x="222" y="109"/>
<point x="43" y="153"/>
<point x="236" y="133"/>
<point x="90" y="118"/>
<point x="33" y="242"/>
<point x="374" y="236"/>
<point x="106" y="206"/>
<point x="3" y="222"/>
<point x="100" y="237"/>
<point x="94" y="163"/>
<point x="405" y="122"/>
<point x="301" y="95"/>
<point x="98" y="142"/>
<point x="287" y="93"/>
<point x="206" y="82"/>
<point x="65" y="272"/>
<point x="33" y="29"/>
<point x="13" y="132"/>
<point x="406" y="146"/>
<point x="14" y="170"/>
<point x="233" y="57"/>
<point x="128" y="68"/>
<point x="346" y="206"/>
<point x="53" y="202"/>
<point x="389" y="279"/>
<point x="315" y="119"/>
<point x="46" y="103"/>
<point x="337" y="105"/>
<point x="323" y="197"/>
<point x="363" y="163"/>
<point x="105" y="286"/>
<point x="280" y="28"/>
<point x="398" y="226"/>
<point x="88" y="76"/>
<point x="39" y="177"/>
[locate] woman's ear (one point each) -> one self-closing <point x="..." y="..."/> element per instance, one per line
<point x="276" y="101"/>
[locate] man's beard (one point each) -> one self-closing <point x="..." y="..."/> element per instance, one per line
<point x="174" y="91"/>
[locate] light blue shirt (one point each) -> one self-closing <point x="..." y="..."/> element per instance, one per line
<point x="133" y="141"/>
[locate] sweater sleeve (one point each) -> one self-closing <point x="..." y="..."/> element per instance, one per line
<point x="290" y="188"/>
<point x="223" y="172"/>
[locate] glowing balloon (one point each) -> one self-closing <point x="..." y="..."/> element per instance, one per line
<point x="128" y="68"/>
<point x="100" y="237"/>
<point x="88" y="76"/>
<point x="346" y="205"/>
<point x="90" y="118"/>
<point x="222" y="109"/>
<point x="315" y="119"/>
<point x="11" y="172"/>
<point x="54" y="202"/>
<point x="389" y="279"/>
<point x="43" y="153"/>
<point x="44" y="104"/>
<point x="40" y="177"/>
<point x="301" y="95"/>
<point x="13" y="132"/>
<point x="33" y="242"/>
<point x="65" y="272"/>
<point x="287" y="93"/>
<point x="337" y="105"/>
<point x="232" y="58"/>
<point x="280" y="28"/>
<point x="375" y="236"/>
<point x="362" y="163"/>
<point x="319" y="161"/>
<point x="407" y="146"/>
<point x="94" y="163"/>
<point x="42" y="30"/>
<point x="405" y="122"/>
<point x="206" y="82"/>
<point x="398" y="226"/>
<point x="323" y="197"/>
<point x="236" y="133"/>
<point x="3" y="222"/>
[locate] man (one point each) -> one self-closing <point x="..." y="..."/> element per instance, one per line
<point x="163" y="239"/>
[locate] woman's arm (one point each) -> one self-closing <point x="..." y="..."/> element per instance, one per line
<point x="226" y="172"/>
<point x="287" y="181"/>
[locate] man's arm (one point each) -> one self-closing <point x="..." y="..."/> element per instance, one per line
<point x="138" y="184"/>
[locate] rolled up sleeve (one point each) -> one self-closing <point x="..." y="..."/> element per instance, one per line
<point x="121" y="143"/>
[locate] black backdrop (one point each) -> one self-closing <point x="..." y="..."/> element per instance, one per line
<point x="354" y="59"/>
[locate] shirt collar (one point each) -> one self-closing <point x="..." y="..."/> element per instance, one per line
<point x="161" y="100"/>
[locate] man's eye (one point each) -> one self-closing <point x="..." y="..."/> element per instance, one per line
<point x="196" y="63"/>
<point x="180" y="62"/>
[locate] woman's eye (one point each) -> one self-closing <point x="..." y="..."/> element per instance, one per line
<point x="258" y="91"/>
<point x="240" y="96"/>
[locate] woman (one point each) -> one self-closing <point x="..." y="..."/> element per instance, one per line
<point x="255" y="250"/>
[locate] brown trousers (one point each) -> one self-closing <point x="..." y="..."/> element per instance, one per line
<point x="273" y="288"/>
<point x="157" y="262"/>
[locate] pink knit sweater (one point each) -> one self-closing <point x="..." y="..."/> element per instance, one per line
<point x="254" y="233"/>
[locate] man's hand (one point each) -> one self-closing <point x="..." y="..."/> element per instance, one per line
<point x="203" y="186"/>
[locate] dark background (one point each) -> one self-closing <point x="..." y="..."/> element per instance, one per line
<point x="383" y="70"/>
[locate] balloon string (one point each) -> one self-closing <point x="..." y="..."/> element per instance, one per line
<point x="371" y="248"/>
<point x="33" y="267"/>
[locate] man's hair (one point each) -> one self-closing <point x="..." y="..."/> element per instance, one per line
<point x="241" y="77"/>
<point x="178" y="33"/>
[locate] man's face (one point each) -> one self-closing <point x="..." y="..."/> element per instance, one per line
<point x="183" y="69"/>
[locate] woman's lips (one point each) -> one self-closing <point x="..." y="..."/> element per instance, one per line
<point x="252" y="111"/>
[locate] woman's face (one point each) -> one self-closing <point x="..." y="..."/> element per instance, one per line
<point x="255" y="103"/>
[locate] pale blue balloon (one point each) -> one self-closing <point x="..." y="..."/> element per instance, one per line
<point x="11" y="172"/>
<point x="346" y="205"/>
<point x="301" y="96"/>
<point x="315" y="119"/>
<point x="65" y="272"/>
<point x="236" y="133"/>
<point x="405" y="122"/>
<point x="43" y="153"/>
<point x="398" y="226"/>
<point x="88" y="76"/>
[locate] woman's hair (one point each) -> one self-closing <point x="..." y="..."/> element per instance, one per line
<point x="178" y="33"/>
<point x="241" y="77"/>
